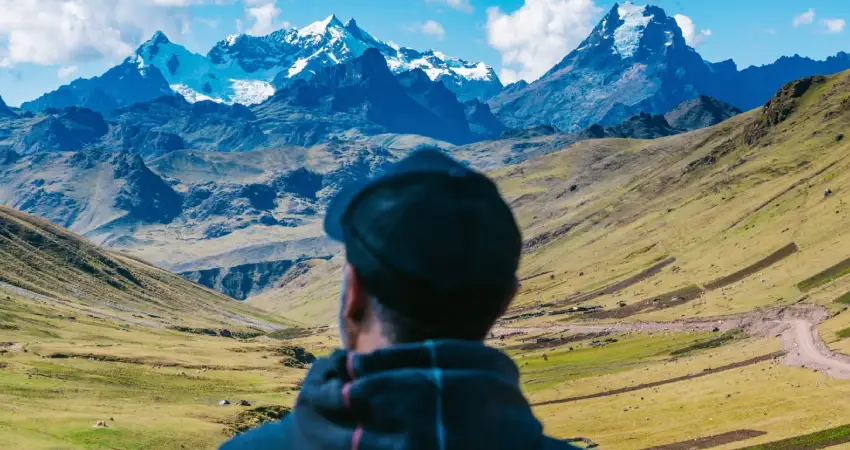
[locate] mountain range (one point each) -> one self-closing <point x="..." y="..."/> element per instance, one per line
<point x="635" y="61"/>
<point x="248" y="69"/>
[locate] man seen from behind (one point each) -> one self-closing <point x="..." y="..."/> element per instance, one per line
<point x="432" y="252"/>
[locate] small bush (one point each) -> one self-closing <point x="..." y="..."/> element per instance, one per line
<point x="719" y="341"/>
<point x="254" y="418"/>
<point x="844" y="299"/>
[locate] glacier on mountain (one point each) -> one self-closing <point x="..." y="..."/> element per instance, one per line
<point x="247" y="69"/>
<point x="628" y="35"/>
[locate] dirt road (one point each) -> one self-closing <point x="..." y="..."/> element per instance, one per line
<point x="795" y="325"/>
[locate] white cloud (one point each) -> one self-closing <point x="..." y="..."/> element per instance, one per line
<point x="62" y="32"/>
<point x="806" y="18"/>
<point x="693" y="37"/>
<point x="433" y="28"/>
<point x="266" y="17"/>
<point x="834" y="26"/>
<point x="460" y="5"/>
<point x="66" y="72"/>
<point x="537" y="36"/>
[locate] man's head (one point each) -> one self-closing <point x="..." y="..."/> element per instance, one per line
<point x="432" y="252"/>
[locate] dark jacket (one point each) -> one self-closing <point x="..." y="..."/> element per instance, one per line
<point x="443" y="395"/>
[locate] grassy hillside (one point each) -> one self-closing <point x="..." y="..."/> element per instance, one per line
<point x="717" y="200"/>
<point x="88" y="335"/>
<point x="51" y="265"/>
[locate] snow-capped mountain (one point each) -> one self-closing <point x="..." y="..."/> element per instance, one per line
<point x="247" y="69"/>
<point x="636" y="61"/>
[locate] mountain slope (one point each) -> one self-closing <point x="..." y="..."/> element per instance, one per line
<point x="5" y="111"/>
<point x="88" y="191"/>
<point x="122" y="85"/>
<point x="56" y="266"/>
<point x="636" y="60"/>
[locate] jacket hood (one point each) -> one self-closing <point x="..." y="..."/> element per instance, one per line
<point x="443" y="395"/>
<point x="434" y="395"/>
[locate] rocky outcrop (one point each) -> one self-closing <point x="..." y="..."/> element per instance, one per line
<point x="145" y="196"/>
<point x="243" y="281"/>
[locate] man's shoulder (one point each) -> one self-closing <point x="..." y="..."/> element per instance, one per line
<point x="270" y="435"/>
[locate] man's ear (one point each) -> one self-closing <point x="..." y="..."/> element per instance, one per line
<point x="355" y="298"/>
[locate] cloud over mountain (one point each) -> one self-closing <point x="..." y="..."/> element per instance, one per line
<point x="84" y="30"/>
<point x="535" y="37"/>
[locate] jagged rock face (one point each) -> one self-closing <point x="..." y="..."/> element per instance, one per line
<point x="782" y="105"/>
<point x="481" y="120"/>
<point x="145" y="142"/>
<point x="204" y="125"/>
<point x="87" y="191"/>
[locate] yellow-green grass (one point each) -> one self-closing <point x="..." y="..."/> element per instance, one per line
<point x="844" y="299"/>
<point x="784" y="402"/>
<point x="562" y="365"/>
<point x="811" y="441"/>
<point x="163" y="397"/>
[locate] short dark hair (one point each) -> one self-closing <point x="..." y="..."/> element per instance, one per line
<point x="400" y="329"/>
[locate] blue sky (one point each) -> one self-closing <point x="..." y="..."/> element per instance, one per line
<point x="35" y="58"/>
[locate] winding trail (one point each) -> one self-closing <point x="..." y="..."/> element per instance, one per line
<point x="796" y="326"/>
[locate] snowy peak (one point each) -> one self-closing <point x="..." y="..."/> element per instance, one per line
<point x="321" y="27"/>
<point x="634" y="31"/>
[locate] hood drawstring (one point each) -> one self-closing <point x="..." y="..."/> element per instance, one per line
<point x="357" y="435"/>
